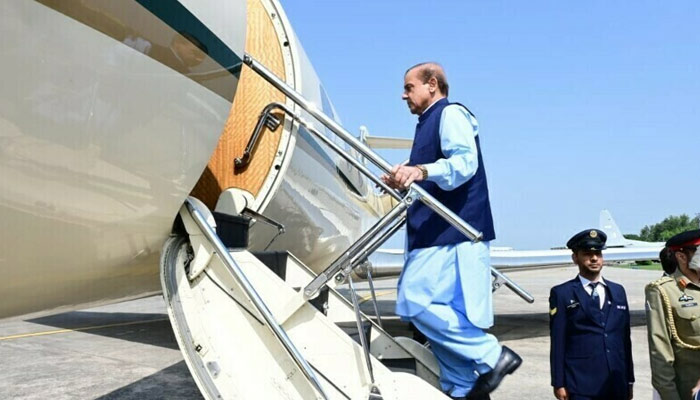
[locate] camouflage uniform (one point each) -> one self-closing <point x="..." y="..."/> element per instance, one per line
<point x="673" y="318"/>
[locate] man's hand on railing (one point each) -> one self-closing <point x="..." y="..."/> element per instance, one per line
<point x="402" y="176"/>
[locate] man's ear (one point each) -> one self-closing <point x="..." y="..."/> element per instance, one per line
<point x="574" y="258"/>
<point x="432" y="84"/>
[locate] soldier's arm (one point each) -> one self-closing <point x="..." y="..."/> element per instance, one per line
<point x="628" y="343"/>
<point x="660" y="348"/>
<point x="557" y="334"/>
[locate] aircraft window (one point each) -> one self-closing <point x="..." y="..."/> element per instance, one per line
<point x="328" y="109"/>
<point x="353" y="186"/>
<point x="326" y="104"/>
<point x="352" y="178"/>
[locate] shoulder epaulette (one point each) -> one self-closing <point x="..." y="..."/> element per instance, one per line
<point x="661" y="281"/>
<point x="668" y="313"/>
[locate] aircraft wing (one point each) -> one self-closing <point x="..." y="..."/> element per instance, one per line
<point x="384" y="142"/>
<point x="389" y="262"/>
<point x="514" y="259"/>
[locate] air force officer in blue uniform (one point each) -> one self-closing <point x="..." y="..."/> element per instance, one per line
<point x="591" y="351"/>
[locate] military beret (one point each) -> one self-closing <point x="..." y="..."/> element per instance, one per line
<point x="684" y="239"/>
<point x="590" y="239"/>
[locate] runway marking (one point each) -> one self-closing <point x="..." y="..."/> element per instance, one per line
<point x="85" y="328"/>
<point x="378" y="294"/>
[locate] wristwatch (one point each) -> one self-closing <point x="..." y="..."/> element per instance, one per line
<point x="423" y="170"/>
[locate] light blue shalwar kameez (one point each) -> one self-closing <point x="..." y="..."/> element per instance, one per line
<point x="445" y="291"/>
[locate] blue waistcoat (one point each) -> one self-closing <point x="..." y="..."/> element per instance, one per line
<point x="470" y="201"/>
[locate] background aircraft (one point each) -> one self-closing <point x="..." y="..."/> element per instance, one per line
<point x="615" y="237"/>
<point x="388" y="262"/>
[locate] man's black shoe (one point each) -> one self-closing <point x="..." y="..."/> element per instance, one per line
<point x="507" y="363"/>
<point x="469" y="397"/>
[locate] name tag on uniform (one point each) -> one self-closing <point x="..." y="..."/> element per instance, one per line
<point x="619" y="307"/>
<point x="573" y="305"/>
<point x="689" y="305"/>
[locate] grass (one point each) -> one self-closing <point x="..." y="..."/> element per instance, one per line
<point x="649" y="267"/>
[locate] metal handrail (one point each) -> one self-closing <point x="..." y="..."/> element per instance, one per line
<point x="379" y="241"/>
<point x="361" y="167"/>
<point x="419" y="193"/>
<point x="265" y="120"/>
<point x="361" y="332"/>
<point x="253" y="295"/>
<point x="360" y="147"/>
<point x="366" y="240"/>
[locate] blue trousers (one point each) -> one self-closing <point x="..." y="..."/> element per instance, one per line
<point x="432" y="291"/>
<point x="463" y="351"/>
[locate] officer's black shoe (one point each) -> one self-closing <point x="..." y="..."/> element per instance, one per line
<point x="507" y="363"/>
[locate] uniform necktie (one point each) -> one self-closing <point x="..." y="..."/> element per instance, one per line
<point x="594" y="293"/>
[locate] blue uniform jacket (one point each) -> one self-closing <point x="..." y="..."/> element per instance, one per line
<point x="591" y="351"/>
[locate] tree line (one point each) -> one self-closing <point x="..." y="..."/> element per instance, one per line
<point x="667" y="228"/>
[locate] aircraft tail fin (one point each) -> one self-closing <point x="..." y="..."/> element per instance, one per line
<point x="609" y="226"/>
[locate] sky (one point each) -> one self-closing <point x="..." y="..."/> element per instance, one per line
<point x="582" y="106"/>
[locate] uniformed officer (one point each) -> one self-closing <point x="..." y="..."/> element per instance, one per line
<point x="591" y="351"/>
<point x="673" y="321"/>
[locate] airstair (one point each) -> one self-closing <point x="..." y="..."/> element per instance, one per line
<point x="264" y="326"/>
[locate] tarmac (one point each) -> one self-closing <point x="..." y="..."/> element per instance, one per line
<point x="128" y="351"/>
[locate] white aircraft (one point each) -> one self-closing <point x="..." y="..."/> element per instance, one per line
<point x="124" y="124"/>
<point x="388" y="262"/>
<point x="616" y="239"/>
<point x="619" y="250"/>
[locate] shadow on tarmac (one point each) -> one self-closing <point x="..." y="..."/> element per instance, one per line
<point x="524" y="326"/>
<point x="153" y="329"/>
<point x="506" y="326"/>
<point x="173" y="382"/>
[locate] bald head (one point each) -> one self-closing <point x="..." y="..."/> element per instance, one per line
<point x="427" y="70"/>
